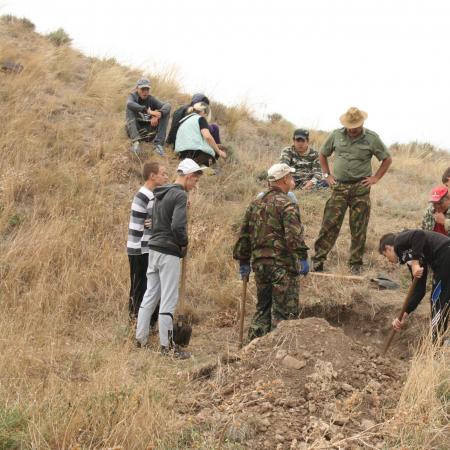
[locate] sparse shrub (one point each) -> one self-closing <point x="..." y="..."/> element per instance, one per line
<point x="274" y="117"/>
<point x="27" y="23"/>
<point x="59" y="37"/>
<point x="9" y="18"/>
<point x="12" y="428"/>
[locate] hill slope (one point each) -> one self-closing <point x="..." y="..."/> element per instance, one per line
<point x="71" y="377"/>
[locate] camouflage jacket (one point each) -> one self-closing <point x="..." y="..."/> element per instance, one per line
<point x="307" y="167"/>
<point x="428" y="221"/>
<point x="272" y="232"/>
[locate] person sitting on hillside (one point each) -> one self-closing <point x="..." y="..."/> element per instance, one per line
<point x="146" y="118"/>
<point x="194" y="139"/>
<point x="305" y="160"/>
<point x="182" y="112"/>
<point x="437" y="215"/>
<point x="421" y="251"/>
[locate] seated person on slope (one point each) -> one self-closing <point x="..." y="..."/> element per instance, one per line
<point x="305" y="160"/>
<point x="146" y="118"/>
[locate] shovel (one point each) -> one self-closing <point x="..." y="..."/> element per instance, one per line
<point x="380" y="280"/>
<point x="242" y="311"/>
<point x="182" y="330"/>
<point x="400" y="316"/>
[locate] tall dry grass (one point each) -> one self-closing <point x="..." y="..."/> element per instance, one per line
<point x="70" y="377"/>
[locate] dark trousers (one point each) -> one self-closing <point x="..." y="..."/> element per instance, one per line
<point x="440" y="294"/>
<point x="138" y="285"/>
<point x="143" y="131"/>
<point x="201" y="158"/>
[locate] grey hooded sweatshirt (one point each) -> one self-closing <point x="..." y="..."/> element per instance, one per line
<point x="169" y="221"/>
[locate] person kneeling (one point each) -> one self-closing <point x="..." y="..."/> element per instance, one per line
<point x="194" y="139"/>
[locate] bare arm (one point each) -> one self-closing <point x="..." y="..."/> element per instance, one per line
<point x="212" y="143"/>
<point x="326" y="169"/>
<point x="369" y="181"/>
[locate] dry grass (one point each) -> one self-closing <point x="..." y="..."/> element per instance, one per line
<point x="70" y="377"/>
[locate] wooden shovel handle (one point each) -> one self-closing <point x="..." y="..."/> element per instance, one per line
<point x="402" y="312"/>
<point x="242" y="311"/>
<point x="336" y="275"/>
<point x="182" y="294"/>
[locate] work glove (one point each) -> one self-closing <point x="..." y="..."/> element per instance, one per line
<point x="244" y="269"/>
<point x="304" y="267"/>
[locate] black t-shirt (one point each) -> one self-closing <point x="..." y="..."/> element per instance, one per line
<point x="203" y="123"/>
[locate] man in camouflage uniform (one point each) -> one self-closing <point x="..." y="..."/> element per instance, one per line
<point x="271" y="236"/>
<point x="437" y="215"/>
<point x="305" y="160"/>
<point x="353" y="147"/>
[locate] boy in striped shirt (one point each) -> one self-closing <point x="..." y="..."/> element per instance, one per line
<point x="154" y="175"/>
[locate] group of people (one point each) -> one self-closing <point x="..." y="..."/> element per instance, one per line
<point x="271" y="240"/>
<point x="190" y="134"/>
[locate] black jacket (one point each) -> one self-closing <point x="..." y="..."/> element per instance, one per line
<point x="169" y="220"/>
<point x="180" y="113"/>
<point x="425" y="246"/>
<point x="137" y="104"/>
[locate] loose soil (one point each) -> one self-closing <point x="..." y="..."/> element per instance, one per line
<point x="316" y="382"/>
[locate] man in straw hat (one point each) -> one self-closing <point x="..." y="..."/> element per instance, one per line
<point x="271" y="236"/>
<point x="351" y="180"/>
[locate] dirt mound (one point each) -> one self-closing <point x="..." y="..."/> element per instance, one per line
<point x="305" y="383"/>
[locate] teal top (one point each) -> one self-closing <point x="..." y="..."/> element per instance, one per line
<point x="189" y="136"/>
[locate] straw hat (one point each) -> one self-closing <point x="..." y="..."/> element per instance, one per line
<point x="353" y="118"/>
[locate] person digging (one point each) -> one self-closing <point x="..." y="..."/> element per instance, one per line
<point x="421" y="250"/>
<point x="271" y="237"/>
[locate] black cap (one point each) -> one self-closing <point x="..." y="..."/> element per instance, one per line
<point x="301" y="133"/>
<point x="199" y="97"/>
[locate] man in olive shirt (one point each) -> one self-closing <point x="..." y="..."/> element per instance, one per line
<point x="351" y="180"/>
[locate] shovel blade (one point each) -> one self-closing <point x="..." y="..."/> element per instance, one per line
<point x="182" y="331"/>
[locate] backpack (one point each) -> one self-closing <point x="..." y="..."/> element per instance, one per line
<point x="176" y="118"/>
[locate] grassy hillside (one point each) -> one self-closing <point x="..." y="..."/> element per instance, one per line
<point x="70" y="375"/>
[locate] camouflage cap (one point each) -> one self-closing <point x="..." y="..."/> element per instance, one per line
<point x="278" y="171"/>
<point x="143" y="83"/>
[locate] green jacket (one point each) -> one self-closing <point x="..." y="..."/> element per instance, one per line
<point x="428" y="221"/>
<point x="307" y="167"/>
<point x="272" y="232"/>
<point x="353" y="156"/>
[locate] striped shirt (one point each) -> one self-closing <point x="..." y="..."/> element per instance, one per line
<point x="141" y="209"/>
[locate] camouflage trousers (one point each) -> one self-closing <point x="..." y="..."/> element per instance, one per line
<point x="356" y="197"/>
<point x="277" y="293"/>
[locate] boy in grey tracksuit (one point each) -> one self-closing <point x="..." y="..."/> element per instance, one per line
<point x="167" y="245"/>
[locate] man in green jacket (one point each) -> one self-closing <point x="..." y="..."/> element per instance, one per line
<point x="271" y="237"/>
<point x="351" y="180"/>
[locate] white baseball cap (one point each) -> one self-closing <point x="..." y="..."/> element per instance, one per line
<point x="188" y="166"/>
<point x="278" y="171"/>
